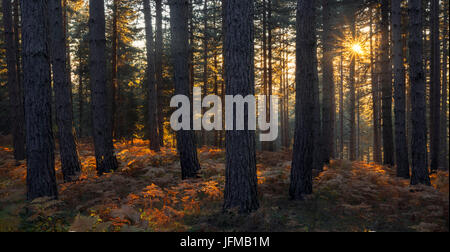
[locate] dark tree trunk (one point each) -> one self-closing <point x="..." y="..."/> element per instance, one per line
<point x="14" y="87"/>
<point x="420" y="173"/>
<point x="18" y="49"/>
<point x="341" y="108"/>
<point x="264" y="49"/>
<point x="375" y="100"/>
<point x="444" y="107"/>
<point x="270" y="146"/>
<point x="352" y="145"/>
<point x="102" y="133"/>
<point x="152" y="95"/>
<point x="328" y="102"/>
<point x="205" y="60"/>
<point x="216" y="69"/>
<point x="401" y="150"/>
<point x="65" y="10"/>
<point x="113" y="98"/>
<point x="70" y="163"/>
<point x="159" y="69"/>
<point x="80" y="95"/>
<point x="41" y="180"/>
<point x="187" y="149"/>
<point x="304" y="148"/>
<point x="317" y="123"/>
<point x="191" y="45"/>
<point x="386" y="87"/>
<point x="435" y="87"/>
<point x="286" y="102"/>
<point x="241" y="179"/>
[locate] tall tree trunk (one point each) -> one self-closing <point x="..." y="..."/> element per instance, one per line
<point x="265" y="75"/>
<point x="41" y="180"/>
<point x="113" y="99"/>
<point x="14" y="87"/>
<point x="358" y="112"/>
<point x="102" y="133"/>
<point x="241" y="179"/>
<point x="435" y="87"/>
<point x="328" y="103"/>
<point x="418" y="96"/>
<point x="444" y="106"/>
<point x="264" y="49"/>
<point x="352" y="146"/>
<point x="304" y="148"/>
<point x="191" y="46"/>
<point x="375" y="99"/>
<point x="80" y="93"/>
<point x="341" y="108"/>
<point x="216" y="69"/>
<point x="65" y="9"/>
<point x="159" y="69"/>
<point x="401" y="150"/>
<point x="70" y="163"/>
<point x="386" y="87"/>
<point x="286" y="103"/>
<point x="187" y="149"/>
<point x="270" y="146"/>
<point x="18" y="46"/>
<point x="152" y="95"/>
<point x="205" y="60"/>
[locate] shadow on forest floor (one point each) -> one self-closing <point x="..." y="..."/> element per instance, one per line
<point x="147" y="194"/>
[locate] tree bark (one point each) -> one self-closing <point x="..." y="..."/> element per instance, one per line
<point x="18" y="48"/>
<point x="41" y="180"/>
<point x="352" y="145"/>
<point x="304" y="148"/>
<point x="80" y="94"/>
<point x="205" y="61"/>
<point x="401" y="150"/>
<point x="328" y="103"/>
<point x="186" y="145"/>
<point x="14" y="87"/>
<point x="159" y="69"/>
<point x="70" y="163"/>
<point x="341" y="108"/>
<point x="102" y="133"/>
<point x="435" y="87"/>
<point x="113" y="99"/>
<point x="444" y="106"/>
<point x="377" y="158"/>
<point x="241" y="179"/>
<point x="386" y="87"/>
<point x="152" y="94"/>
<point x="420" y="173"/>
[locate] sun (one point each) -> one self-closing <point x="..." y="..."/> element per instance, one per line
<point x="356" y="48"/>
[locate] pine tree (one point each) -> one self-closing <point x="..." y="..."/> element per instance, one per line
<point x="435" y="87"/>
<point x="14" y="87"/>
<point x="70" y="162"/>
<point x="41" y="180"/>
<point x="328" y="103"/>
<point x="418" y="96"/>
<point x="151" y="85"/>
<point x="241" y="179"/>
<point x="102" y="133"/>
<point x="401" y="150"/>
<point x="186" y="145"/>
<point x="304" y="149"/>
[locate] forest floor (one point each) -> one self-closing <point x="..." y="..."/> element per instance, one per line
<point x="147" y="194"/>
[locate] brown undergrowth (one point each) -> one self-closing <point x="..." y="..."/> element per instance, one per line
<point x="147" y="194"/>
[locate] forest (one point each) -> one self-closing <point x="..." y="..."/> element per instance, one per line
<point x="357" y="91"/>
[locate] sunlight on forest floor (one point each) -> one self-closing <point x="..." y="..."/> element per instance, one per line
<point x="147" y="194"/>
